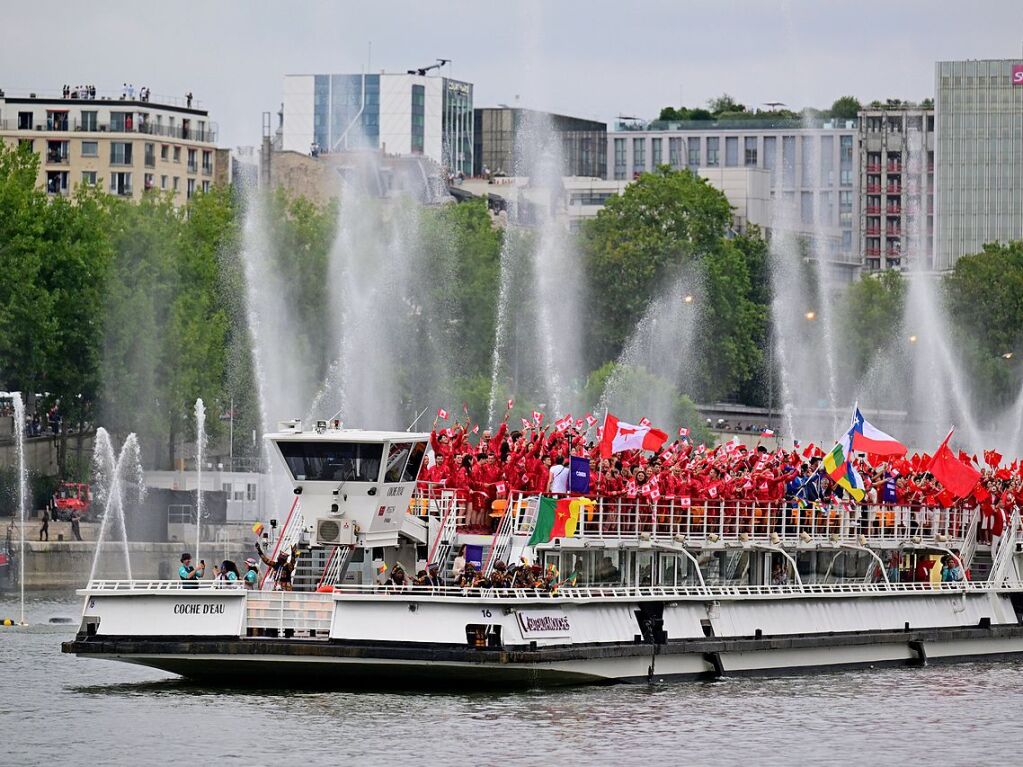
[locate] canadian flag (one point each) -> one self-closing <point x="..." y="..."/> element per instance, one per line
<point x="685" y="503"/>
<point x="580" y="423"/>
<point x="618" y="436"/>
<point x="630" y="488"/>
<point x="476" y="429"/>
<point x="525" y="424"/>
<point x="537" y="417"/>
<point x="590" y="419"/>
<point x="442" y="414"/>
<point x="500" y="488"/>
<point x="655" y="494"/>
<point x="683" y="431"/>
<point x="563" y="424"/>
<point x="511" y="404"/>
<point x="712" y="491"/>
<point x="644" y="421"/>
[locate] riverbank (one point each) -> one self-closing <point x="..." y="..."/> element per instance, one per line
<point x="66" y="564"/>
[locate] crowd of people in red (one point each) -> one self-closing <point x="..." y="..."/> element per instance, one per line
<point x="482" y="466"/>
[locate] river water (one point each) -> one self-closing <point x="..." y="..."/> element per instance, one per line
<point x="57" y="709"/>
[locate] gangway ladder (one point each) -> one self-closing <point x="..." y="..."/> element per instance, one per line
<point x="1003" y="561"/>
<point x="290" y="534"/>
<point x="440" y="549"/>
<point x="969" y="547"/>
<point x="518" y="518"/>
<point x="337" y="564"/>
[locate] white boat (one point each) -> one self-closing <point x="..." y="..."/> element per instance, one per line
<point x="675" y="590"/>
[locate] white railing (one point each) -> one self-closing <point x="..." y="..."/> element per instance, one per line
<point x="672" y="518"/>
<point x="290" y="535"/>
<point x="175" y="585"/>
<point x="1002" y="564"/>
<point x="292" y="611"/>
<point x="969" y="544"/>
<point x="452" y="515"/>
<point x="519" y="519"/>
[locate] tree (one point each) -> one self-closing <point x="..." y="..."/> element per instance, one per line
<point x="663" y="222"/>
<point x="873" y="309"/>
<point x="724" y="104"/>
<point x="846" y="108"/>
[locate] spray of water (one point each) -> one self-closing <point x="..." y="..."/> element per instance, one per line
<point x="200" y="457"/>
<point x="117" y="478"/>
<point x="19" y="441"/>
<point x="663" y="343"/>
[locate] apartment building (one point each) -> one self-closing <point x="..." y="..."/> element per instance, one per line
<point x="897" y="178"/>
<point x="813" y="168"/>
<point x="126" y="146"/>
<point x="978" y="111"/>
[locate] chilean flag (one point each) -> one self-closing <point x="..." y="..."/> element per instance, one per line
<point x="618" y="436"/>
<point x="868" y="439"/>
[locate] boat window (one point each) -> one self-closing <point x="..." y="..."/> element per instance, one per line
<point x="333" y="461"/>
<point x="415" y="460"/>
<point x="608" y="568"/>
<point x="397" y="455"/>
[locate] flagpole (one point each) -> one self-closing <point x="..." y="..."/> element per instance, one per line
<point x="231" y="438"/>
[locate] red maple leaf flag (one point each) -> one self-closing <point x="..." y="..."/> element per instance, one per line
<point x="563" y="424"/>
<point x="590" y="419"/>
<point x="618" y="436"/>
<point x="955" y="476"/>
<point x="476" y="429"/>
<point x="644" y="421"/>
<point x="511" y="404"/>
<point x="580" y="424"/>
<point x="442" y="414"/>
<point x="500" y="488"/>
<point x="537" y="417"/>
<point x="683" y="431"/>
<point x="525" y="424"/>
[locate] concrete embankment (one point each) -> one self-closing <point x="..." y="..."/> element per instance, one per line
<point x="57" y="564"/>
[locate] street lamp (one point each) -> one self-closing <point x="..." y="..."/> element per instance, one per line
<point x="688" y="299"/>
<point x="912" y="339"/>
<point x="811" y="315"/>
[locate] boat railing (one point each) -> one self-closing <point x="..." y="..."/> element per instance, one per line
<point x="712" y="521"/>
<point x="431" y="499"/>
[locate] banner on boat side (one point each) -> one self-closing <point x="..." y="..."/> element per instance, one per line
<point x="542" y="624"/>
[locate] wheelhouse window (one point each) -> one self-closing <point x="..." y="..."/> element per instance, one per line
<point x="332" y="461"/>
<point x="403" y="461"/>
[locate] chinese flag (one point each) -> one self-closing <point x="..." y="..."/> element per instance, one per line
<point x="955" y="476"/>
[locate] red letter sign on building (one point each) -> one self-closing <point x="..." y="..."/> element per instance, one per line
<point x="1017" y="74"/>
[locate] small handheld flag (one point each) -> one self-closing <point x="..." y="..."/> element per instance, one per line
<point x="511" y="404"/>
<point x="258" y="528"/>
<point x="442" y="414"/>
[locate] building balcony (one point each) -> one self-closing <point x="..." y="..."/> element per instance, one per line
<point x="207" y="170"/>
<point x="894" y="167"/>
<point x="149" y="129"/>
<point x="893" y="233"/>
<point x="873" y="189"/>
<point x="192" y="167"/>
<point x="894" y="210"/>
<point x="874" y="211"/>
<point x="893" y="189"/>
<point x="893" y="253"/>
<point x="57" y="159"/>
<point x="875" y="232"/>
<point x="873" y="252"/>
<point x="873" y="167"/>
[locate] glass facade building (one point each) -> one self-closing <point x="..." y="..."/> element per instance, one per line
<point x="979" y="154"/>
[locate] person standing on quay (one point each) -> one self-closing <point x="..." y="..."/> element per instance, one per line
<point x="76" y="529"/>
<point x="44" y="530"/>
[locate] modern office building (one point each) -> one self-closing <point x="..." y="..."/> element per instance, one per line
<point x="813" y="167"/>
<point x="978" y="110"/>
<point x="896" y="225"/>
<point x="397" y="114"/>
<point x="498" y="131"/>
<point x="123" y="145"/>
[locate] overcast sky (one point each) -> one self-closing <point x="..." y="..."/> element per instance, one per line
<point x="587" y="58"/>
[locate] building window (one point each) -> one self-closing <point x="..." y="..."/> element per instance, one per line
<point x="90" y="149"/>
<point x="150" y="155"/>
<point x="205" y="186"/>
<point x="164" y="152"/>
<point x="89" y="177"/>
<point x="192" y="165"/>
<point x="121" y="122"/>
<point x="175" y="183"/>
<point x="56" y="181"/>
<point x="90" y="121"/>
<point x="806" y="160"/>
<point x="57" y="151"/>
<point x="619" y="158"/>
<point x="638" y="155"/>
<point x="694" y="153"/>
<point x="120" y="183"/>
<point x="207" y="162"/>
<point x="24" y="121"/>
<point x="770" y="152"/>
<point x="177" y="154"/>
<point x="675" y="152"/>
<point x="26" y="144"/>
<point x="250" y="491"/>
<point x="656" y="157"/>
<point x="713" y="147"/>
<point x="788" y="160"/>
<point x="56" y="120"/>
<point x="163" y="182"/>
<point x="190" y="189"/>
<point x="828" y="160"/>
<point x="120" y="153"/>
<point x="418" y="119"/>
<point x="827" y="214"/>
<point x="806" y="207"/>
<point x="750" y="157"/>
<point x="731" y="151"/>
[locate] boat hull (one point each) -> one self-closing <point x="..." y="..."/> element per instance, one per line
<point x="346" y="665"/>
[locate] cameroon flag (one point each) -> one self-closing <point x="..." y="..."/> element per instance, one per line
<point x="556" y="518"/>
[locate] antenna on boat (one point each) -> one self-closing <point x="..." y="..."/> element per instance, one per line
<point x="421" y="413"/>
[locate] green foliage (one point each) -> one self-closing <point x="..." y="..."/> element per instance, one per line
<point x="725" y="104"/>
<point x="846" y="108"/>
